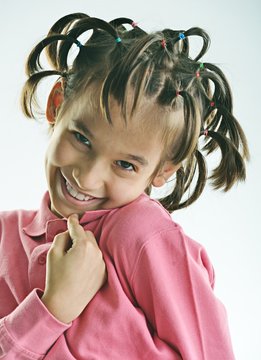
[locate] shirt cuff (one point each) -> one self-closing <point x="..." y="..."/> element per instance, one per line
<point x="32" y="326"/>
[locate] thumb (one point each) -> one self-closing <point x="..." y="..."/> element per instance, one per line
<point x="78" y="234"/>
<point x="76" y="231"/>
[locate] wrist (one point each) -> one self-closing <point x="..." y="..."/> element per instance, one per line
<point x="56" y="308"/>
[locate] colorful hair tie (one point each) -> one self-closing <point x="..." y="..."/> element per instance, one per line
<point x="177" y="93"/>
<point x="78" y="43"/>
<point x="205" y="132"/>
<point x="118" y="40"/>
<point x="181" y="35"/>
<point x="163" y="43"/>
<point x="212" y="104"/>
<point x="134" y="24"/>
<point x="201" y="67"/>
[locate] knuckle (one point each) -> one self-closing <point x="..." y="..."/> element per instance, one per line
<point x="56" y="238"/>
<point x="59" y="237"/>
<point x="90" y="247"/>
<point x="103" y="266"/>
<point x="89" y="234"/>
<point x="100" y="256"/>
<point x="51" y="252"/>
<point x="57" y="243"/>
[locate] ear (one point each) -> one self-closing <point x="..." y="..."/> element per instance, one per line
<point x="55" y="100"/>
<point x="166" y="171"/>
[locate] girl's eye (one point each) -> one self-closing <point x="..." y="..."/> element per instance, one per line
<point x="125" y="165"/>
<point x="82" y="139"/>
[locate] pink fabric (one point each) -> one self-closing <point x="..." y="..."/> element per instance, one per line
<point x="158" y="302"/>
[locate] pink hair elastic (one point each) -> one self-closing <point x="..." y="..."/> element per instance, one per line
<point x="201" y="67"/>
<point x="163" y="43"/>
<point x="134" y="24"/>
<point x="212" y="104"/>
<point x="205" y="132"/>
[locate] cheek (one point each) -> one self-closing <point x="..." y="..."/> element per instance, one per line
<point x="129" y="190"/>
<point x="60" y="152"/>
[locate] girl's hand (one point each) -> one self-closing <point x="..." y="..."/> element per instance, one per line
<point x="75" y="272"/>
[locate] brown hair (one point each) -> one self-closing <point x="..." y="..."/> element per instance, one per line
<point x="157" y="66"/>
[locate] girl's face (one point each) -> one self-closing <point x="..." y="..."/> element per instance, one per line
<point x="92" y="165"/>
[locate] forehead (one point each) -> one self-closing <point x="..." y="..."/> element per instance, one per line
<point x="147" y="119"/>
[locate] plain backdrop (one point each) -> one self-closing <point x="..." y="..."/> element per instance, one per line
<point x="226" y="224"/>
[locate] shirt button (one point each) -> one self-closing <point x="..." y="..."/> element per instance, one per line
<point x="42" y="259"/>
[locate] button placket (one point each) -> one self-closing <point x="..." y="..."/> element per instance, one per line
<point x="42" y="259"/>
<point x="37" y="266"/>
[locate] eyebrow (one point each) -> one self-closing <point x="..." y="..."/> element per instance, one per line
<point x="137" y="158"/>
<point x="81" y="126"/>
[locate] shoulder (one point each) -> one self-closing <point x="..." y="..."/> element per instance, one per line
<point x="13" y="220"/>
<point x="130" y="229"/>
<point x="143" y="232"/>
<point x="144" y="215"/>
<point x="12" y="217"/>
<point x="130" y="226"/>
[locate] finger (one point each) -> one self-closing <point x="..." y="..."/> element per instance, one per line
<point x="76" y="231"/>
<point x="91" y="238"/>
<point x="61" y="243"/>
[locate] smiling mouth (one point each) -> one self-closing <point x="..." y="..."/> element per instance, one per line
<point x="77" y="195"/>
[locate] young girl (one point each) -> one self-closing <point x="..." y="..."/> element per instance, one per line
<point x="122" y="280"/>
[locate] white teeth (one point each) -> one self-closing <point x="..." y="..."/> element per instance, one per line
<point x="75" y="194"/>
<point x="80" y="196"/>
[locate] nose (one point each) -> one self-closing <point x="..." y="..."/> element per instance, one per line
<point x="91" y="176"/>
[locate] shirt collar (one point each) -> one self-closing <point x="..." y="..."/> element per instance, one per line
<point x="37" y="226"/>
<point x="44" y="218"/>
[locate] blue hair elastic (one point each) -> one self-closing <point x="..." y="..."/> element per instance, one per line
<point x="78" y="43"/>
<point x="118" y="40"/>
<point x="181" y="36"/>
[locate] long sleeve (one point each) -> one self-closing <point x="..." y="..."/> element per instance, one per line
<point x="29" y="331"/>
<point x="173" y="284"/>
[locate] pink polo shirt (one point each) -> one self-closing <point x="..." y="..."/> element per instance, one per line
<point x="158" y="302"/>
